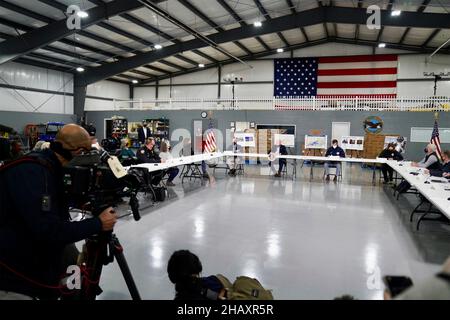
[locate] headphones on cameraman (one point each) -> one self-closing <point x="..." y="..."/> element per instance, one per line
<point x="57" y="147"/>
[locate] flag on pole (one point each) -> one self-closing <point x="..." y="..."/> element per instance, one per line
<point x="435" y="139"/>
<point x="210" y="139"/>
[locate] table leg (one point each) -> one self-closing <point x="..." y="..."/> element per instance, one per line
<point x="374" y="175"/>
<point x="311" y="171"/>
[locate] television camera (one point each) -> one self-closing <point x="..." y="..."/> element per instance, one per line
<point x="93" y="182"/>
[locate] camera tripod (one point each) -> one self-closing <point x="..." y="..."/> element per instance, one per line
<point x="99" y="251"/>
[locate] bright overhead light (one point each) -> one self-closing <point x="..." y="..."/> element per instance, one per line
<point x="135" y="81"/>
<point x="382" y="45"/>
<point x="280" y="50"/>
<point x="257" y="23"/>
<point x="80" y="69"/>
<point x="158" y="46"/>
<point x="201" y="65"/>
<point x="396" y="13"/>
<point x="82" y="14"/>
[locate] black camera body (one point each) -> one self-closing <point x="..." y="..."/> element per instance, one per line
<point x="90" y="185"/>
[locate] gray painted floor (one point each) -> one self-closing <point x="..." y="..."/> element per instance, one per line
<point x="304" y="240"/>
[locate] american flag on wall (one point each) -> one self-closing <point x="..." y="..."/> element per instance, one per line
<point x="210" y="140"/>
<point x="349" y="76"/>
<point x="435" y="139"/>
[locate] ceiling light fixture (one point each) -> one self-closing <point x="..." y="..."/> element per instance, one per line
<point x="80" y="69"/>
<point x="257" y="24"/>
<point x="82" y="14"/>
<point x="396" y="13"/>
<point x="201" y="65"/>
<point x="158" y="46"/>
<point x="382" y="45"/>
<point x="135" y="81"/>
<point x="280" y="50"/>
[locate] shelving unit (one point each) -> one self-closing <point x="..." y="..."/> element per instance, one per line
<point x="159" y="129"/>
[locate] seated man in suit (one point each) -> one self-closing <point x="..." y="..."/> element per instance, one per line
<point x="143" y="132"/>
<point x="444" y="171"/>
<point x="333" y="151"/>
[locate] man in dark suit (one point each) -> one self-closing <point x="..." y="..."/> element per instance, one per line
<point x="143" y="132"/>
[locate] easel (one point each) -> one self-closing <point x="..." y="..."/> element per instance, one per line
<point x="354" y="153"/>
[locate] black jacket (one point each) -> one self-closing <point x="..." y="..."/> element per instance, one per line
<point x="141" y="136"/>
<point x="32" y="234"/>
<point x="337" y="152"/>
<point x="388" y="154"/>
<point x="438" y="172"/>
<point x="147" y="156"/>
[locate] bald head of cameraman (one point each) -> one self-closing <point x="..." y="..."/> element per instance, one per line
<point x="35" y="226"/>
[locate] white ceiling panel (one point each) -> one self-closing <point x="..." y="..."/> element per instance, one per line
<point x="164" y="67"/>
<point x="178" y="62"/>
<point x="214" y="53"/>
<point x="417" y="36"/>
<point x="367" y="34"/>
<point x="302" y="5"/>
<point x="392" y="34"/>
<point x="99" y="45"/>
<point x="315" y="32"/>
<point x="252" y="44"/>
<point x="16" y="17"/>
<point x="112" y="36"/>
<point x="438" y="6"/>
<point x="276" y="9"/>
<point x="345" y="30"/>
<point x="83" y="52"/>
<point x="440" y="38"/>
<point x="294" y="36"/>
<point x="193" y="56"/>
<point x="233" y="49"/>
<point x="161" y="24"/>
<point x="39" y="8"/>
<point x="273" y="40"/>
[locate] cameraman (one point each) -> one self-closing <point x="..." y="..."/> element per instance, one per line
<point x="36" y="234"/>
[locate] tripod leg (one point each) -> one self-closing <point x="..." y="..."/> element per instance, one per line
<point x="123" y="265"/>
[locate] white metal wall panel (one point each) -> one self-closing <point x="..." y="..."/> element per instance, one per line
<point x="109" y="89"/>
<point x="144" y="93"/>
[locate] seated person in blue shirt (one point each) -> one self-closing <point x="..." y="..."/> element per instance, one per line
<point x="334" y="151"/>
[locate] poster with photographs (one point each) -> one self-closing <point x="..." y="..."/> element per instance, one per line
<point x="352" y="143"/>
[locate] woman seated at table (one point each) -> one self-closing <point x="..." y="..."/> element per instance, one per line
<point x="391" y="154"/>
<point x="430" y="162"/>
<point x="126" y="156"/>
<point x="333" y="151"/>
<point x="166" y="156"/>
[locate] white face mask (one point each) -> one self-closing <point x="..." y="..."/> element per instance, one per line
<point x="334" y="146"/>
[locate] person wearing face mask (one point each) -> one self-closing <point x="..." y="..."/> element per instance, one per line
<point x="430" y="162"/>
<point x="36" y="235"/>
<point x="444" y="171"/>
<point x="143" y="133"/>
<point x="389" y="153"/>
<point x="333" y="151"/>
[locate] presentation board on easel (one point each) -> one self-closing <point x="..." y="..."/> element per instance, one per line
<point x="316" y="142"/>
<point x="287" y="140"/>
<point x="352" y="143"/>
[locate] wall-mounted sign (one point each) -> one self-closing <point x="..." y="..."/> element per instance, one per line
<point x="373" y="124"/>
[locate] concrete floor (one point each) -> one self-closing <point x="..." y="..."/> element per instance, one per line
<point x="304" y="240"/>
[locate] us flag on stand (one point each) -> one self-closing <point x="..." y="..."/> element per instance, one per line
<point x="362" y="76"/>
<point x="210" y="140"/>
<point x="435" y="139"/>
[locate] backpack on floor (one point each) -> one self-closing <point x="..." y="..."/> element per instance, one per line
<point x="245" y="288"/>
<point x="160" y="193"/>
